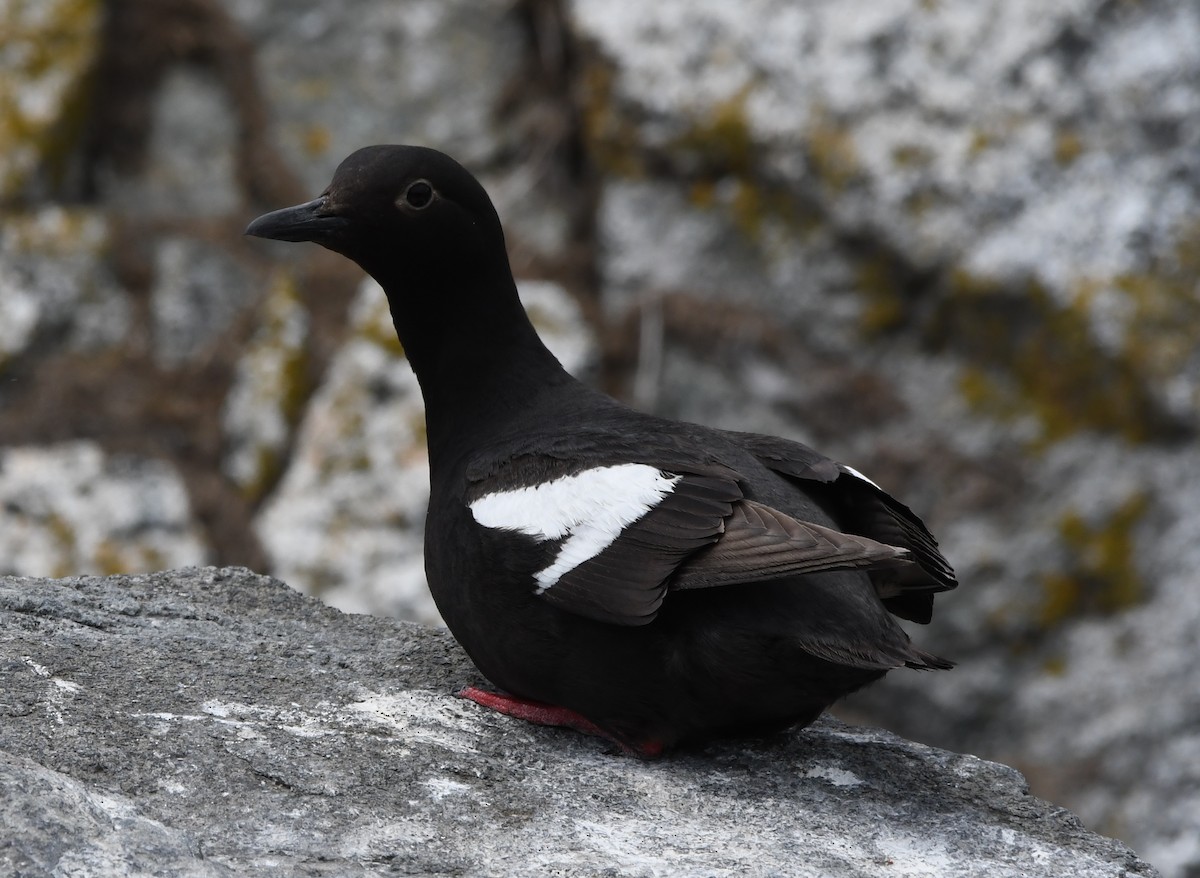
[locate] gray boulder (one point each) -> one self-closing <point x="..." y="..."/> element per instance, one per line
<point x="215" y="722"/>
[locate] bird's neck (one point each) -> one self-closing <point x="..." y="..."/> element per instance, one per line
<point x="478" y="360"/>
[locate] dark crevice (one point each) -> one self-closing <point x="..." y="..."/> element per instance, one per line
<point x="545" y="98"/>
<point x="167" y="34"/>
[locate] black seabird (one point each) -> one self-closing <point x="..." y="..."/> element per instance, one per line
<point x="651" y="581"/>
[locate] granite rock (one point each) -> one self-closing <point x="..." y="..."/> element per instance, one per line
<point x="189" y="170"/>
<point x="198" y="292"/>
<point x="214" y="722"/>
<point x="57" y="293"/>
<point x="71" y="508"/>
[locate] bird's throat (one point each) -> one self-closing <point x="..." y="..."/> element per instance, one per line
<point x="478" y="360"/>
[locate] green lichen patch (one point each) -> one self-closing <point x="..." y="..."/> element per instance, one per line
<point x="1099" y="576"/>
<point x="47" y="48"/>
<point x="1027" y="355"/>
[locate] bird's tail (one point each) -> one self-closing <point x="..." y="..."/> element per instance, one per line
<point x="926" y="661"/>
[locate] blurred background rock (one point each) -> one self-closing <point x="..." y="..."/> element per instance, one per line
<point x="955" y="243"/>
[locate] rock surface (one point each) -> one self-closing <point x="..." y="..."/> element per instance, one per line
<point x="214" y="722"/>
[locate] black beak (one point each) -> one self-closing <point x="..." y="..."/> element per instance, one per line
<point x="304" y="222"/>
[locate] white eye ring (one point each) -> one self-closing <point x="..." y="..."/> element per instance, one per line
<point x="419" y="194"/>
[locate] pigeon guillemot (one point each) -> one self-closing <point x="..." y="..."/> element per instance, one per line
<point x="651" y="581"/>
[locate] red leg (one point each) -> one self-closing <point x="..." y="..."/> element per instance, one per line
<point x="550" y="715"/>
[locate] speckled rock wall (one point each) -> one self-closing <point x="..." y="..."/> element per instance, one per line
<point x="954" y="243"/>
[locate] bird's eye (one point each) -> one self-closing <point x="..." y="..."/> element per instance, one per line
<point x="419" y="194"/>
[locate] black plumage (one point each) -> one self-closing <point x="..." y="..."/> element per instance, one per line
<point x="650" y="580"/>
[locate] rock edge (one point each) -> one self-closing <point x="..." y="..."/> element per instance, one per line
<point x="211" y="721"/>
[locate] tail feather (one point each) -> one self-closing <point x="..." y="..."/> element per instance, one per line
<point x="877" y="656"/>
<point x="927" y="661"/>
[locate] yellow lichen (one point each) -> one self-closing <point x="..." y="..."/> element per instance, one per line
<point x="1040" y="358"/>
<point x="1100" y="574"/>
<point x="316" y="140"/>
<point x="920" y="201"/>
<point x="1164" y="320"/>
<point x="831" y="151"/>
<point x="703" y="194"/>
<point x="279" y="360"/>
<point x="1068" y="146"/>
<point x="268" y="466"/>
<point x="47" y="48"/>
<point x="283" y="302"/>
<point x="981" y="141"/>
<point x="314" y="88"/>
<point x="56" y="232"/>
<point x="720" y="140"/>
<point x="280" y="309"/>
<point x="748" y="209"/>
<point x="911" y="156"/>
<point x="152" y="559"/>
<point x="754" y="207"/>
<point x="375" y="325"/>
<point x="720" y="149"/>
<point x="108" y="560"/>
<point x="1054" y="666"/>
<point x="612" y="138"/>
<point x="64" y="538"/>
<point x="884" y="301"/>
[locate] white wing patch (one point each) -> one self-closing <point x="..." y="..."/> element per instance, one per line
<point x="590" y="508"/>
<point x="852" y="471"/>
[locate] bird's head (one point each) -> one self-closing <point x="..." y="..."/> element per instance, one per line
<point x="410" y="216"/>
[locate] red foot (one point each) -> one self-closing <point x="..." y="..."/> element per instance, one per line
<point x="550" y="715"/>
